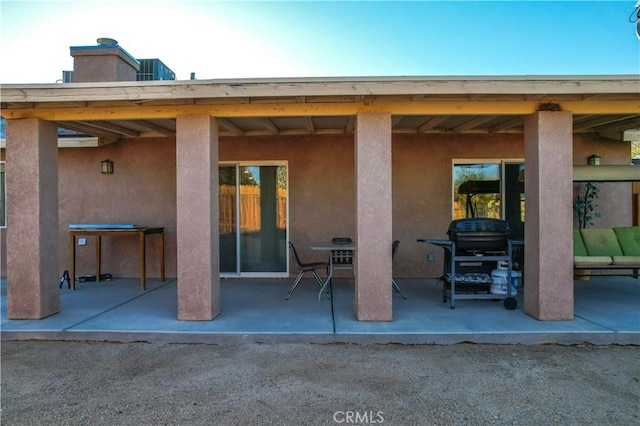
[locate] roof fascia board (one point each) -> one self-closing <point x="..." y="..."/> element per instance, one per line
<point x="193" y="89"/>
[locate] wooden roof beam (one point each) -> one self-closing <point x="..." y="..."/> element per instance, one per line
<point x="474" y="122"/>
<point x="89" y="130"/>
<point x="155" y="128"/>
<point x="619" y="126"/>
<point x="351" y="121"/>
<point x="431" y="123"/>
<point x="395" y="120"/>
<point x="111" y="127"/>
<point x="506" y="125"/>
<point x="311" y="128"/>
<point x="443" y="108"/>
<point x="601" y="121"/>
<point x="230" y="126"/>
<point x="269" y="125"/>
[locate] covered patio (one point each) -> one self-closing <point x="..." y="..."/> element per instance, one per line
<point x="255" y="311"/>
<point x="383" y="149"/>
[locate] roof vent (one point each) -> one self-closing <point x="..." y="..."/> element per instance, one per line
<point x="104" y="41"/>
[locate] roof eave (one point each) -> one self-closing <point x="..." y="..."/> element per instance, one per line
<point x="325" y="86"/>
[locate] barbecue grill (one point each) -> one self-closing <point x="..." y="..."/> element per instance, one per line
<point x="473" y="248"/>
<point x="480" y="235"/>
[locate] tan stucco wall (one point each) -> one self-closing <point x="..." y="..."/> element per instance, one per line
<point x="142" y="190"/>
<point x="422" y="168"/>
<point x="615" y="199"/>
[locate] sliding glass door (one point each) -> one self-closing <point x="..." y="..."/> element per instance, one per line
<point x="253" y="219"/>
<point x="227" y="175"/>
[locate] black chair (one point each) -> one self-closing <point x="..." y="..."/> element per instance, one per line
<point x="306" y="267"/>
<point x="394" y="250"/>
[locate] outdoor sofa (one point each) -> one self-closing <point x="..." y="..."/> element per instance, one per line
<point x="612" y="250"/>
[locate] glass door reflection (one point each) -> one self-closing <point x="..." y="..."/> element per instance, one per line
<point x="253" y="234"/>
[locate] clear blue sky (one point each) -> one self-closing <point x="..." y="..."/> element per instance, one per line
<point x="326" y="39"/>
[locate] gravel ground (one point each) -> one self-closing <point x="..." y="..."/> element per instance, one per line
<point x="82" y="383"/>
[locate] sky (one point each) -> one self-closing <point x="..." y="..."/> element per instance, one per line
<point x="263" y="39"/>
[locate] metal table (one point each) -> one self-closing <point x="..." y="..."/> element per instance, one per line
<point x="341" y="258"/>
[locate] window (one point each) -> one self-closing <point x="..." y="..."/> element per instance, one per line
<point x="492" y="189"/>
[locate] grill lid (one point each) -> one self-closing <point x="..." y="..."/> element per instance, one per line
<point x="480" y="234"/>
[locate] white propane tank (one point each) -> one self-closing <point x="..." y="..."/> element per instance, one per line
<point x="499" y="280"/>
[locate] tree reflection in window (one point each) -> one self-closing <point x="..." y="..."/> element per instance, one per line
<point x="476" y="190"/>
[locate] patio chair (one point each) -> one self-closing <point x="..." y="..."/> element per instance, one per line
<point x="304" y="268"/>
<point x="394" y="250"/>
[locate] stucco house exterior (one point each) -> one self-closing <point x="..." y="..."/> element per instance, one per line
<point x="374" y="159"/>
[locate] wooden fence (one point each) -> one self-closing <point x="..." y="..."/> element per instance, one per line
<point x="250" y="209"/>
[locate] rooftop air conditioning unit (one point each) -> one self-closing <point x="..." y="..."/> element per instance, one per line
<point x="67" y="76"/>
<point x="154" y="69"/>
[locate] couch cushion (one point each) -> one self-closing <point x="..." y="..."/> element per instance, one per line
<point x="601" y="242"/>
<point x="626" y="260"/>
<point x="592" y="260"/>
<point x="629" y="239"/>
<point x="579" y="248"/>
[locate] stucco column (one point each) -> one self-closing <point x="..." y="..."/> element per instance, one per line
<point x="198" y="258"/>
<point x="373" y="217"/>
<point x="548" y="273"/>
<point x="32" y="219"/>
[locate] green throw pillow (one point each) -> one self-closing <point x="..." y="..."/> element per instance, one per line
<point x="629" y="239"/>
<point x="601" y="242"/>
<point x="578" y="245"/>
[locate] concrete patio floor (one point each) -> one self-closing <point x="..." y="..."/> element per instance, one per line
<point x="607" y="311"/>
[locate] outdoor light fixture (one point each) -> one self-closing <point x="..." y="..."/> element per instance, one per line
<point x="107" y="166"/>
<point x="594" y="160"/>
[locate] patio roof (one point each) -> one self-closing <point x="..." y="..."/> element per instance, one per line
<point x="604" y="105"/>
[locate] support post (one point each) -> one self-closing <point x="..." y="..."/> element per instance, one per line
<point x="198" y="253"/>
<point x="32" y="219"/>
<point x="548" y="281"/>
<point x="373" y="274"/>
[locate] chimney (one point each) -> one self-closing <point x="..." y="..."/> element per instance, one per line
<point x="105" y="62"/>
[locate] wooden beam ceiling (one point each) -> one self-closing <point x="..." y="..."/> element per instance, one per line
<point x="269" y="125"/>
<point x="230" y="126"/>
<point x="155" y="128"/>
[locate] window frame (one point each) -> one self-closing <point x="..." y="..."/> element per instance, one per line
<point x="501" y="162"/>
<point x="244" y="274"/>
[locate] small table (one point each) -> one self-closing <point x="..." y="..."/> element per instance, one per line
<point x="338" y="251"/>
<point x="140" y="232"/>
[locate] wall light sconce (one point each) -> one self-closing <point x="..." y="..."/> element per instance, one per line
<point x="107" y="166"/>
<point x="594" y="160"/>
